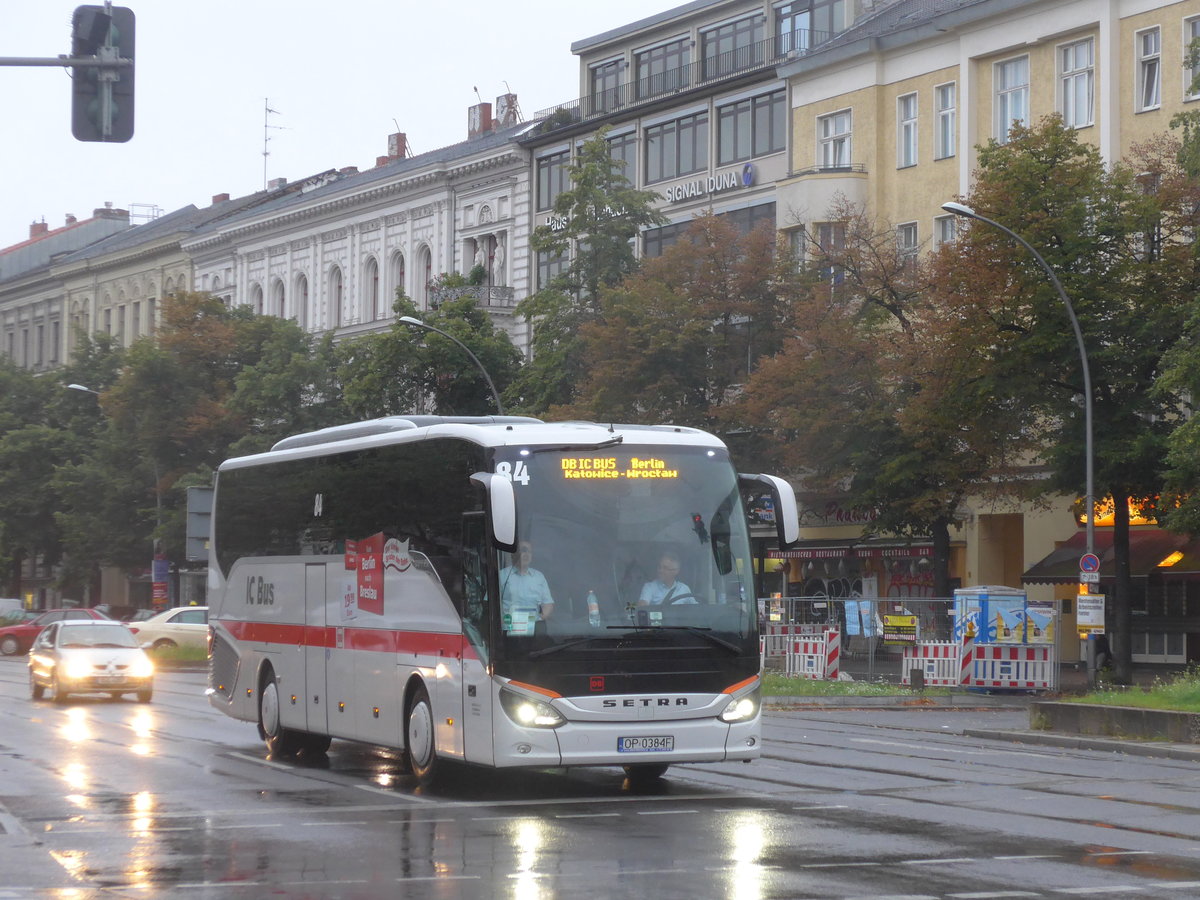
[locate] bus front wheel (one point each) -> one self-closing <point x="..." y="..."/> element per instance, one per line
<point x="419" y="737"/>
<point x="280" y="741"/>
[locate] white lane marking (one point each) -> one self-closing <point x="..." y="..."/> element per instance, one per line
<point x="935" y="862"/>
<point x="408" y="798"/>
<point x="992" y="895"/>
<point x="588" y="816"/>
<point x="283" y="767"/>
<point x="1107" y="889"/>
<point x="1028" y="856"/>
<point x="668" y="812"/>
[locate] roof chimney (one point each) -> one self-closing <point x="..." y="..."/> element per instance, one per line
<point x="508" y="111"/>
<point x="479" y="120"/>
<point x="397" y="145"/>
<point x="276" y="183"/>
<point x="220" y="198"/>
<point x="37" y="229"/>
<point x="382" y="161"/>
<point x="71" y="220"/>
<point x="348" y="170"/>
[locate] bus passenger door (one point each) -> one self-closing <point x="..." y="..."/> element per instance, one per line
<point x="314" y="649"/>
<point x="476" y="683"/>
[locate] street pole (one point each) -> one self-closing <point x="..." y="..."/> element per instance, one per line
<point x="960" y="209"/>
<point x="417" y="323"/>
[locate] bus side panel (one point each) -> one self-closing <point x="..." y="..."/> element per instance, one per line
<point x="315" y="651"/>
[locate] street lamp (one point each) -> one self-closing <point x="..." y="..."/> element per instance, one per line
<point x="417" y="323"/>
<point x="966" y="212"/>
<point x="80" y="387"/>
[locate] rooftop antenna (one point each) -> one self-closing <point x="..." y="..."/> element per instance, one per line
<point x="477" y="97"/>
<point x="267" y="128"/>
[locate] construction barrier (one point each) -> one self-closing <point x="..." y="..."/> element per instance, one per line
<point x="942" y="663"/>
<point x="1025" y="667"/>
<point x="815" y="656"/>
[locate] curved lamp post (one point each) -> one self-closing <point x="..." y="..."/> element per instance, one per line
<point x="417" y="323"/>
<point x="966" y="212"/>
<point x="80" y="387"/>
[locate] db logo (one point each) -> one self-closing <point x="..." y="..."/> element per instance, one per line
<point x="596" y="683"/>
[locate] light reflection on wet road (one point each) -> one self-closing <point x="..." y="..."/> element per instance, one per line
<point x="118" y="799"/>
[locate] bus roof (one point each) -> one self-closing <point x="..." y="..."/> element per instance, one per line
<point x="487" y="431"/>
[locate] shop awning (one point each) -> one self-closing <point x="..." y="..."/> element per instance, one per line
<point x="1148" y="547"/>
<point x="861" y="549"/>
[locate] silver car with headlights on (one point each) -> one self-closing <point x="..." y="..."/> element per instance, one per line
<point x="85" y="657"/>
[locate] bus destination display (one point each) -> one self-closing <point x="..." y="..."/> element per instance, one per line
<point x="609" y="467"/>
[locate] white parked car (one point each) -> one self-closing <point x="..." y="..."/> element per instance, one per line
<point x="87" y="656"/>
<point x="184" y="626"/>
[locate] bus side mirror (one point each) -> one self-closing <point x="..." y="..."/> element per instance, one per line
<point x="787" y="514"/>
<point x="502" y="507"/>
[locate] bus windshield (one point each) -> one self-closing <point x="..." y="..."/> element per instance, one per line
<point x="625" y="546"/>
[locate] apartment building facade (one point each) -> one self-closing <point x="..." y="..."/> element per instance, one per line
<point x="888" y="116"/>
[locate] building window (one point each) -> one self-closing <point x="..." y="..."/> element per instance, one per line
<point x="551" y="179"/>
<point x="1012" y="96"/>
<point x="549" y="267"/>
<point x="151" y="316"/>
<point x="398" y="282"/>
<point x="1149" y="53"/>
<point x="373" y="292"/>
<point x="623" y="149"/>
<point x="797" y="238"/>
<point x="55" y="346"/>
<point x="831" y="241"/>
<point x="732" y="47"/>
<point x="137" y="319"/>
<point x="944" y="97"/>
<point x="906" y="131"/>
<point x="663" y="68"/>
<point x="606" y="86"/>
<point x="750" y="218"/>
<point x="39" y="349"/>
<point x="678" y="147"/>
<point x="793" y="22"/>
<point x="1191" y="69"/>
<point x="906" y="243"/>
<point x="945" y="230"/>
<point x="829" y="18"/>
<point x="656" y="240"/>
<point x="335" y="295"/>
<point x="752" y="127"/>
<point x="834" y="136"/>
<point x="277" y="300"/>
<point x="1077" y="82"/>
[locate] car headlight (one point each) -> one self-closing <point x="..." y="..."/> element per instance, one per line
<point x="742" y="708"/>
<point x="141" y="668"/>
<point x="77" y="668"/>
<point x="528" y="712"/>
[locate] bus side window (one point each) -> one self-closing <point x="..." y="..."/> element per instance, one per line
<point x="474" y="574"/>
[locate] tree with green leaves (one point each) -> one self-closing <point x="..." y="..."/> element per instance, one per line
<point x="597" y="221"/>
<point x="1118" y="238"/>
<point x="877" y="395"/>
<point x="675" y="341"/>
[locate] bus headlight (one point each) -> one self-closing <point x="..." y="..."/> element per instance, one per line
<point x="530" y="713"/>
<point x="741" y="708"/>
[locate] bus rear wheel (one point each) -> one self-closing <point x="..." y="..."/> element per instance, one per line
<point x="420" y="742"/>
<point x="280" y="741"/>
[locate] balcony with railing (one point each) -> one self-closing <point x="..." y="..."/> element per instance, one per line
<point x="705" y="73"/>
<point x="486" y="296"/>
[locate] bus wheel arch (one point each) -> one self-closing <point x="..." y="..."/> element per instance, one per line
<point x="420" y="740"/>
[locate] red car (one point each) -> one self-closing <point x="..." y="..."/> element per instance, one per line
<point x="19" y="638"/>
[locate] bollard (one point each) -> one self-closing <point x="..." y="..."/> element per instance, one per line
<point x="916" y="679"/>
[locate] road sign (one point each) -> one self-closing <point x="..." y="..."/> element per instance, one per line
<point x="1089" y="562"/>
<point x="1089" y="577"/>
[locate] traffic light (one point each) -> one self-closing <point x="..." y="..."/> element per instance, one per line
<point x="102" y="96"/>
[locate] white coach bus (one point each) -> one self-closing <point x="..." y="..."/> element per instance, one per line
<point x="366" y="584"/>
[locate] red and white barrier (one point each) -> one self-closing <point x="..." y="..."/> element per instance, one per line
<point x="1026" y="667"/>
<point x="815" y="656"/>
<point x="943" y="663"/>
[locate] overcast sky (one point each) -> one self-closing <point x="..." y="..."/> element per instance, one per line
<point x="342" y="74"/>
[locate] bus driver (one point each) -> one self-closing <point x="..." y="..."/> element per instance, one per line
<point x="524" y="593"/>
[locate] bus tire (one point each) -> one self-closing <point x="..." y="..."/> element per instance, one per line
<point x="419" y="739"/>
<point x="645" y="773"/>
<point x="280" y="741"/>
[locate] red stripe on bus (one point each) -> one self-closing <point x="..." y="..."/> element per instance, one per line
<point x="371" y="640"/>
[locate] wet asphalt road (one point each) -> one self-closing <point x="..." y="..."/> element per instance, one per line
<point x="103" y="799"/>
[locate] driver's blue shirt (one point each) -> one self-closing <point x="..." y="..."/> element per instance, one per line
<point x="654" y="592"/>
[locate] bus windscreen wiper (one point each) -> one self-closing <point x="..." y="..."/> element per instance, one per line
<point x="547" y="651"/>
<point x="705" y="633"/>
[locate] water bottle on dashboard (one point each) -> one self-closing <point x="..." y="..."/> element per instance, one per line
<point x="593" y="606"/>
